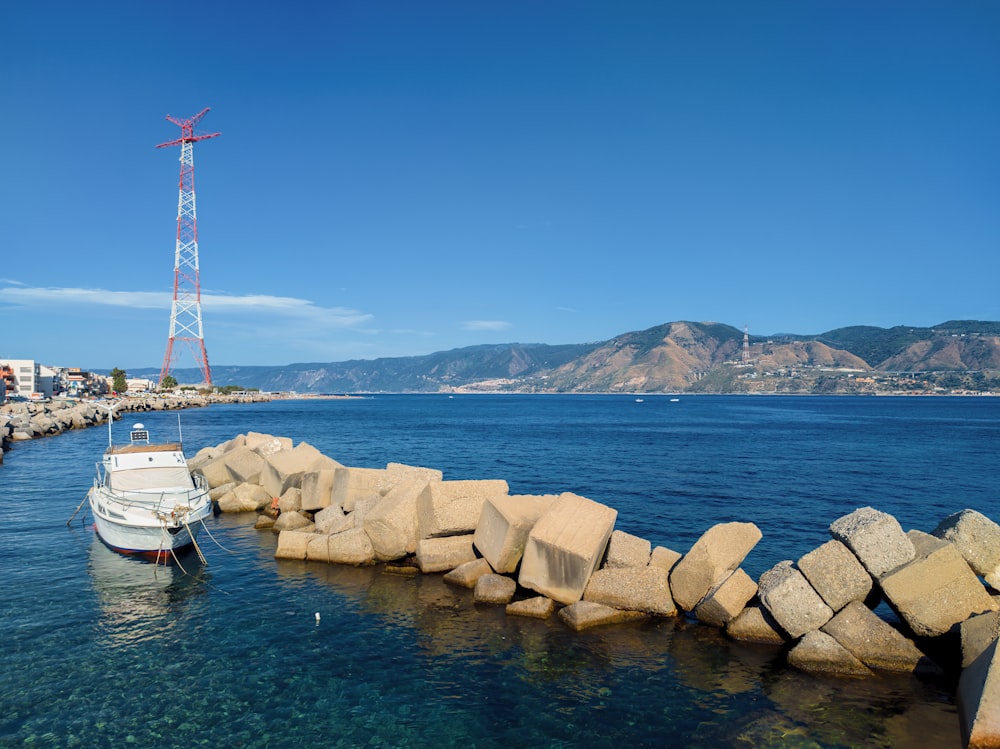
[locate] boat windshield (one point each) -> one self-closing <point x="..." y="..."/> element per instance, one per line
<point x="151" y="479"/>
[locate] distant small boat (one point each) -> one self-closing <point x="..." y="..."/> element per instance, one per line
<point x="675" y="400"/>
<point x="145" y="500"/>
<point x="638" y="400"/>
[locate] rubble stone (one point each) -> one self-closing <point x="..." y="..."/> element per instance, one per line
<point x="495" y="589"/>
<point x="626" y="550"/>
<point x="444" y="554"/>
<point x="817" y="652"/>
<point x="586" y="614"/>
<point x="874" y="642"/>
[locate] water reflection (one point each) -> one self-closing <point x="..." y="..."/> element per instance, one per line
<point x="139" y="600"/>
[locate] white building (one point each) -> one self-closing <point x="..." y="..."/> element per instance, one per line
<point x="31" y="379"/>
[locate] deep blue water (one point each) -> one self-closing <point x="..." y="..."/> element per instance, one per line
<point x="98" y="649"/>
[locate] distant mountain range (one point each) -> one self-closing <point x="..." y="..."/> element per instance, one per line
<point x="673" y="357"/>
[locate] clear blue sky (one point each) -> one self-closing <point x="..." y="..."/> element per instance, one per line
<point x="398" y="178"/>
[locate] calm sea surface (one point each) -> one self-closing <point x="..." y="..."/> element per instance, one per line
<point x="101" y="650"/>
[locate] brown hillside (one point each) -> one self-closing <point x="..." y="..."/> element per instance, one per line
<point x="804" y="354"/>
<point x="950" y="352"/>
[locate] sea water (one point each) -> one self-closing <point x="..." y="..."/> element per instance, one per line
<point x="97" y="649"/>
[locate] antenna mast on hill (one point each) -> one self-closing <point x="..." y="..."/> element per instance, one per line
<point x="746" y="345"/>
<point x="185" y="312"/>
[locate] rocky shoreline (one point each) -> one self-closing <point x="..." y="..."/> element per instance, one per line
<point x="560" y="555"/>
<point x="28" y="420"/>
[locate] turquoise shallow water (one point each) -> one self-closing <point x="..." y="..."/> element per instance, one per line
<point x="100" y="649"/>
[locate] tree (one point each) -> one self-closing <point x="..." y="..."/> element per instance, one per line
<point x="169" y="383"/>
<point x="118" y="380"/>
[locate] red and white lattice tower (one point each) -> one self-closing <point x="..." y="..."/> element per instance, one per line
<point x="185" y="312"/>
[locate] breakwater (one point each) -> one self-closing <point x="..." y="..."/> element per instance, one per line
<point x="560" y="555"/>
<point x="28" y="420"/>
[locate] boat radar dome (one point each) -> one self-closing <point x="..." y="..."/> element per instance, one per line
<point x="138" y="426"/>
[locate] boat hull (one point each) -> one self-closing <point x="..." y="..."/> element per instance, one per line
<point x="134" y="526"/>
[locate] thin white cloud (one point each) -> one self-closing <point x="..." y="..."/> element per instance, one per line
<point x="566" y="309"/>
<point x="223" y="304"/>
<point x="485" y="325"/>
<point x="11" y="280"/>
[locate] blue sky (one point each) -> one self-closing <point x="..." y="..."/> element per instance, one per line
<point x="399" y="178"/>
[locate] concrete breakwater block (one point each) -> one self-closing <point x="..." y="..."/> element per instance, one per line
<point x="317" y="489"/>
<point x="392" y="523"/>
<point x="444" y="554"/>
<point x="565" y="546"/>
<point x="350" y="547"/>
<point x="266" y="445"/>
<point x="719" y="551"/>
<point x="836" y="574"/>
<point x="977" y="634"/>
<point x="818" y="652"/>
<point x="352" y="485"/>
<point x="292" y="544"/>
<point x="284" y="469"/>
<point x="243" y="464"/>
<point x="586" y="614"/>
<point x="977" y="538"/>
<point x="468" y="574"/>
<point x="875" y="643"/>
<point x="792" y="601"/>
<point x="979" y="701"/>
<point x="755" y="624"/>
<point x="626" y="550"/>
<point x="536" y="607"/>
<point x="876" y="538"/>
<point x="504" y="524"/>
<point x="937" y="589"/>
<point x="494" y="589"/>
<point x="645" y="589"/>
<point x="452" y="508"/>
<point x="727" y="599"/>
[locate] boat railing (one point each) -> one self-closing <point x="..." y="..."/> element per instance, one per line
<point x="152" y="499"/>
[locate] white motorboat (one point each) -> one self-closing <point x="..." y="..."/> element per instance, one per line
<point x="145" y="500"/>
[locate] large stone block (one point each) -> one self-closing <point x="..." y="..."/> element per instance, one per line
<point x="244" y="498"/>
<point x="727" y="599"/>
<point x="791" y="600"/>
<point x="664" y="557"/>
<point x="504" y="524"/>
<point x="266" y="445"/>
<point x="284" y="468"/>
<point x="937" y="589"/>
<point x="536" y="607"/>
<point x="244" y="465"/>
<point x="755" y="624"/>
<point x="216" y="472"/>
<point x="331" y="520"/>
<point x="836" y="574"/>
<point x="452" y="508"/>
<point x="494" y="589"/>
<point x="876" y="539"/>
<point x="586" y="614"/>
<point x="626" y="550"/>
<point x="565" y="546"/>
<point x="353" y="484"/>
<point x="466" y="575"/>
<point x="317" y="489"/>
<point x="978" y="633"/>
<point x="979" y="701"/>
<point x="977" y="538"/>
<point x="292" y="521"/>
<point x="874" y="642"/>
<point x="292" y="544"/>
<point x="444" y="554"/>
<point x="398" y="472"/>
<point x="719" y="551"/>
<point x="644" y="589"/>
<point x="392" y="523"/>
<point x="291" y="500"/>
<point x="351" y="547"/>
<point x="817" y="652"/>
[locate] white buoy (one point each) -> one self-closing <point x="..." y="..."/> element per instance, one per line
<point x="317" y="618"/>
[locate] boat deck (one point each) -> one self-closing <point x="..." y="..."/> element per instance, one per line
<point x="120" y="449"/>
